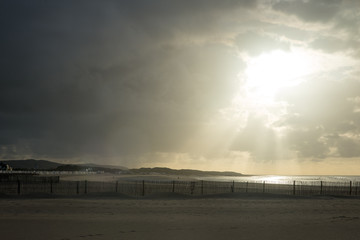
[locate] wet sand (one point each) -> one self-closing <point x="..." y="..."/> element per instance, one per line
<point x="179" y="217"/>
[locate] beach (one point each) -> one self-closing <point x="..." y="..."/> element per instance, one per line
<point x="169" y="216"/>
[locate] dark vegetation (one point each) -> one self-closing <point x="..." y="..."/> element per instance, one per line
<point x="44" y="165"/>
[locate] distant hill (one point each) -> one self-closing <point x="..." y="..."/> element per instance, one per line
<point x="31" y="164"/>
<point x="93" y="165"/>
<point x="184" y="172"/>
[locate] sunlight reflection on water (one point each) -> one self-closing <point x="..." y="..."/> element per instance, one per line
<point x="282" y="179"/>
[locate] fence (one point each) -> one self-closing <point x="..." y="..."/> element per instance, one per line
<point x="143" y="188"/>
<point x="27" y="177"/>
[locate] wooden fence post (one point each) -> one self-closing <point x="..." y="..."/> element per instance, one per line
<point x="192" y="187"/>
<point x="233" y="187"/>
<point x="247" y="186"/>
<point x="321" y="187"/>
<point x="202" y="187"/>
<point x="263" y="186"/>
<point x="18" y="187"/>
<point x="350" y="190"/>
<point x="143" y="187"/>
<point x="294" y="190"/>
<point x="356" y="189"/>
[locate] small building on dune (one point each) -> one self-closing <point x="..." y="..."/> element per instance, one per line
<point x="5" y="167"/>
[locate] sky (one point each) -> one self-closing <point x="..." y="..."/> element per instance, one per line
<point x="257" y="87"/>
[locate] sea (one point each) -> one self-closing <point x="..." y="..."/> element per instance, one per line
<point x="284" y="179"/>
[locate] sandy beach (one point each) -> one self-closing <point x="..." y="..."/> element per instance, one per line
<point x="108" y="177"/>
<point x="179" y="217"/>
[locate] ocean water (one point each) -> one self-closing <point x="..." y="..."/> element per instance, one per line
<point x="283" y="179"/>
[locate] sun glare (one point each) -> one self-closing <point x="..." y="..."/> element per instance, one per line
<point x="271" y="72"/>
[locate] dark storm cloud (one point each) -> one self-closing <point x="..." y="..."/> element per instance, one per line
<point x="128" y="79"/>
<point x="339" y="17"/>
<point x="312" y="10"/>
<point x="111" y="78"/>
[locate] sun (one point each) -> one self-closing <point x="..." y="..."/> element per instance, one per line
<point x="269" y="73"/>
<point x="265" y="77"/>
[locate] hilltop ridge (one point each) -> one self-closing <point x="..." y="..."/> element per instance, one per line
<point x="45" y="165"/>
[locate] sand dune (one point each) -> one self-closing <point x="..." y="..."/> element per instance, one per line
<point x="173" y="216"/>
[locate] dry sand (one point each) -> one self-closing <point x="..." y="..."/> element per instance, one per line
<point x="104" y="177"/>
<point x="175" y="217"/>
<point x="108" y="177"/>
